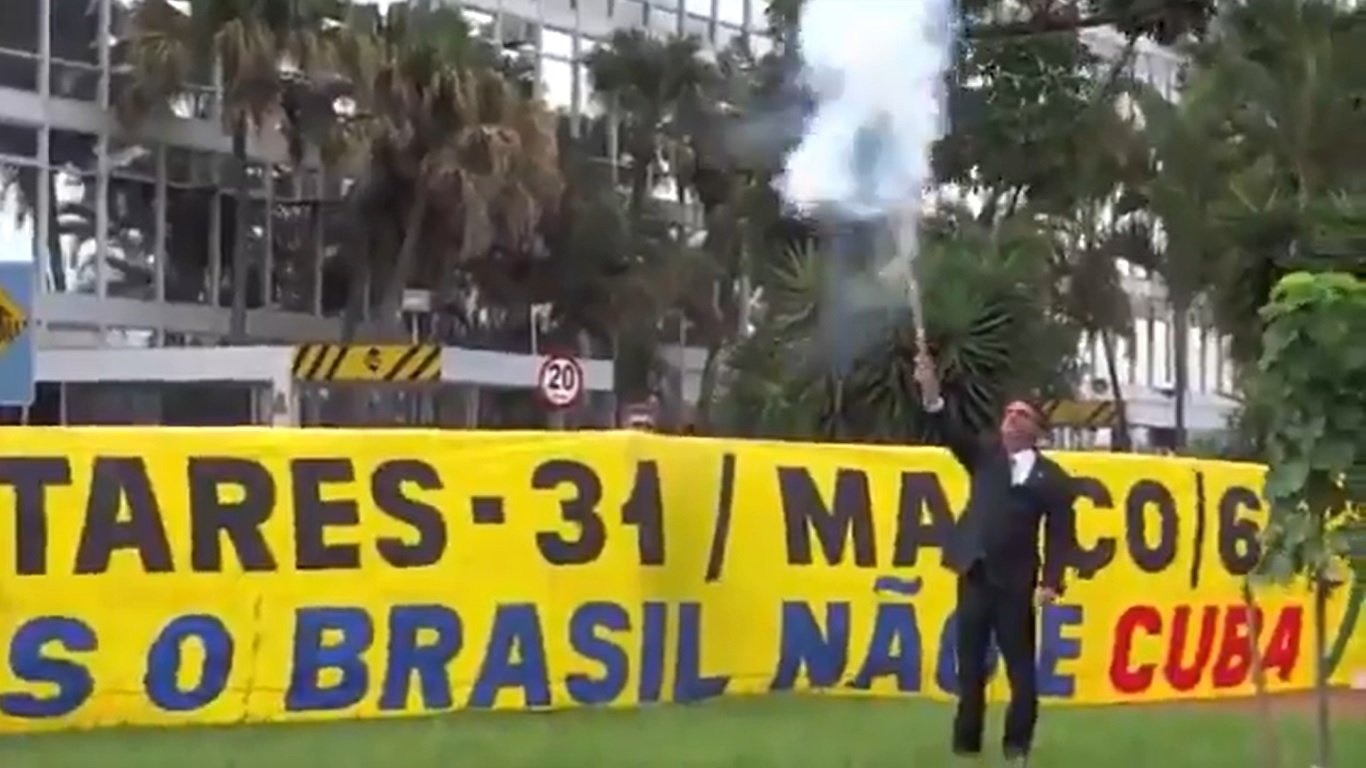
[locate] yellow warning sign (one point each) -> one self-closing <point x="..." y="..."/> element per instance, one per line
<point x="1081" y="413"/>
<point x="13" y="321"/>
<point x="367" y="362"/>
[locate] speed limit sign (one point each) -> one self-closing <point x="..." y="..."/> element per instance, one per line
<point x="560" y="381"/>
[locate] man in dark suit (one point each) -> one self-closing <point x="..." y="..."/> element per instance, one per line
<point x="995" y="552"/>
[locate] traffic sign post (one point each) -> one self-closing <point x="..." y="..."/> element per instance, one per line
<point x="17" y="386"/>
<point x="560" y="381"/>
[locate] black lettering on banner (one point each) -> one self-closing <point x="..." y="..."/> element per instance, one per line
<point x="921" y="493"/>
<point x="1240" y="545"/>
<point x="1155" y="557"/>
<point x="581" y="509"/>
<point x="1201" y="523"/>
<point x="1089" y="562"/>
<point x="30" y="477"/>
<point x="645" y="510"/>
<point x="804" y="512"/>
<point x="114" y="483"/>
<point x="387" y="488"/>
<point x="313" y="514"/>
<point x="725" y="509"/>
<point x="241" y="519"/>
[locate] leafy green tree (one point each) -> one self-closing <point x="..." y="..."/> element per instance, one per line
<point x="1288" y="76"/>
<point x="1314" y="367"/>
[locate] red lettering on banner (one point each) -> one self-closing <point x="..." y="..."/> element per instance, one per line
<point x="1235" y="652"/>
<point x="1183" y="676"/>
<point x="1125" y="677"/>
<point x="1218" y="650"/>
<point x="1283" y="648"/>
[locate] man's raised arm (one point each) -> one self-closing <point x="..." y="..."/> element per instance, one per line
<point x="960" y="442"/>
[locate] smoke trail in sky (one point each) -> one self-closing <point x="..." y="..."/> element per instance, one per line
<point x="877" y="70"/>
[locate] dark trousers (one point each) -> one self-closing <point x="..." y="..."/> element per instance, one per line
<point x="987" y="610"/>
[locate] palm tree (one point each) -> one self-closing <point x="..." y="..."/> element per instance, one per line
<point x="1181" y="188"/>
<point x="459" y="162"/>
<point x="657" y="90"/>
<point x="657" y="96"/>
<point x="254" y="45"/>
<point x="990" y="334"/>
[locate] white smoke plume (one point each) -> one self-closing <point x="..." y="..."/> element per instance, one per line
<point x="877" y="71"/>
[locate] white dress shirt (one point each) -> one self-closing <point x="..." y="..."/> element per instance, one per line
<point x="1021" y="464"/>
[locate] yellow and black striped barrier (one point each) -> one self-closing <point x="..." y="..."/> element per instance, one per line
<point x="1080" y="413"/>
<point x="367" y="362"/>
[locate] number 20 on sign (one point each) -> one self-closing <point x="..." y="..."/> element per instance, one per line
<point x="560" y="381"/>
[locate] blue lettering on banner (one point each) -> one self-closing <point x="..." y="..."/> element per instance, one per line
<point x="689" y="682"/>
<point x="354" y="634"/>
<point x="29" y="662"/>
<point x="329" y="671"/>
<point x="587" y="626"/>
<point x="1054" y="648"/>
<point x="802" y="644"/>
<point x="164" y="661"/>
<point x="652" y="635"/>
<point x="893" y="650"/>
<point x="409" y="655"/>
<point x="515" y="658"/>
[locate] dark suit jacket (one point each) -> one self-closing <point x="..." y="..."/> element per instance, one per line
<point x="1000" y="524"/>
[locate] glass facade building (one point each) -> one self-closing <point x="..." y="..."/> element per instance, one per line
<point x="132" y="230"/>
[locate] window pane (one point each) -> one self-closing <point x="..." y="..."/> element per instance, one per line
<point x="731" y="11"/>
<point x="18" y="141"/>
<point x="18" y="212"/>
<point x="189" y="224"/>
<point x="1161" y="352"/>
<point x="1142" y="373"/>
<point x="19" y="32"/>
<point x="72" y="158"/>
<point x="296" y="229"/>
<point x="588" y="105"/>
<point x="131" y="252"/>
<point x="74" y="36"/>
<point x="557" y="43"/>
<point x="19" y="21"/>
<point x="698" y="7"/>
<point x="557" y="80"/>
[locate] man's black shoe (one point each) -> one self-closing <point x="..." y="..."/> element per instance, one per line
<point x="966" y="754"/>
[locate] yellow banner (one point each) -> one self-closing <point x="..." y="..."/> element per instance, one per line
<point x="214" y="576"/>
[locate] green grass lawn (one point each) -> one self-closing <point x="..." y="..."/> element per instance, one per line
<point x="773" y="732"/>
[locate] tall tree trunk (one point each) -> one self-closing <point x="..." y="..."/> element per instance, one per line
<point x="706" y="388"/>
<point x="1181" y="306"/>
<point x="1271" y="747"/>
<point x="237" y="323"/>
<point x="391" y="301"/>
<point x="1322" y="720"/>
<point x="1121" y="440"/>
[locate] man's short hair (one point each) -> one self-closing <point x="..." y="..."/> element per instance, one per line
<point x="1034" y="404"/>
